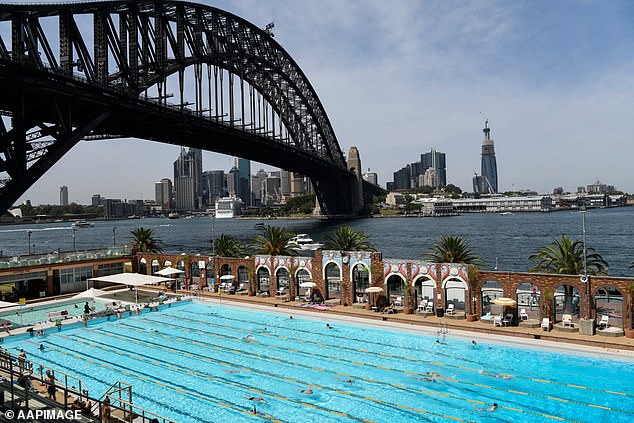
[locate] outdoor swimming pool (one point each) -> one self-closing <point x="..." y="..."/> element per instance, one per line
<point x="33" y="314"/>
<point x="191" y="364"/>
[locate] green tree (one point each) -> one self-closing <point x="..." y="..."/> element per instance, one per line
<point x="229" y="246"/>
<point x="274" y="242"/>
<point x="144" y="241"/>
<point x="452" y="249"/>
<point x="565" y="257"/>
<point x="347" y="239"/>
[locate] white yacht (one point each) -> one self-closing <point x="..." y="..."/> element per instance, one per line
<point x="303" y="242"/>
<point x="228" y="207"/>
<point x="82" y="224"/>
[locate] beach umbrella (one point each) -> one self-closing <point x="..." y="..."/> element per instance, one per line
<point x="226" y="277"/>
<point x="504" y="301"/>
<point x="307" y="284"/>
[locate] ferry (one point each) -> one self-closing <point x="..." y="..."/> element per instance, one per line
<point x="303" y="242"/>
<point x="173" y="216"/>
<point x="505" y="213"/>
<point x="82" y="224"/>
<point x="228" y="207"/>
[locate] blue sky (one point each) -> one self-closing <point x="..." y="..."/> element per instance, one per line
<point x="554" y="79"/>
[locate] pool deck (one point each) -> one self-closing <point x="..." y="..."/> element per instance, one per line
<point x="457" y="327"/>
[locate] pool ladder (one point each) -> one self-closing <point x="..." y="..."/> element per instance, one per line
<point x="441" y="332"/>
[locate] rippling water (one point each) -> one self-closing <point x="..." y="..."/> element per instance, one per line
<point x="510" y="238"/>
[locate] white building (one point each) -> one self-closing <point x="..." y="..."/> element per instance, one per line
<point x="504" y="204"/>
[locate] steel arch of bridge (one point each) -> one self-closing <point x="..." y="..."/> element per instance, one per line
<point x="61" y="86"/>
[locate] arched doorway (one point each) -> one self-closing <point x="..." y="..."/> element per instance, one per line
<point x="425" y="289"/>
<point x="360" y="281"/>
<point x="333" y="281"/>
<point x="528" y="297"/>
<point x="143" y="266"/>
<point x="566" y="301"/>
<point x="302" y="275"/>
<point x="262" y="280"/>
<point x="155" y="266"/>
<point x="455" y="293"/>
<point x="395" y="289"/>
<point x="243" y="278"/>
<point x="490" y="291"/>
<point x="195" y="272"/>
<point x="283" y="281"/>
<point x="608" y="301"/>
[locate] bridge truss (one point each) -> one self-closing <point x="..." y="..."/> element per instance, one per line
<point x="168" y="71"/>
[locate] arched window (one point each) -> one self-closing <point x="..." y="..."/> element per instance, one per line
<point x="143" y="266"/>
<point x="360" y="281"/>
<point x="155" y="266"/>
<point x="395" y="288"/>
<point x="455" y="293"/>
<point x="283" y="281"/>
<point x="489" y="292"/>
<point x="263" y="277"/>
<point x="566" y="300"/>
<point x="608" y="301"/>
<point x="302" y="275"/>
<point x="243" y="278"/>
<point x="425" y="287"/>
<point x="528" y="297"/>
<point x="333" y="281"/>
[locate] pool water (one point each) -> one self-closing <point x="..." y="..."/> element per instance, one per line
<point x="33" y="314"/>
<point x="190" y="363"/>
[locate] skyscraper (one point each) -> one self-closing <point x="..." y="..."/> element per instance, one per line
<point x="244" y="190"/>
<point x="435" y="160"/>
<point x="63" y="195"/>
<point x="487" y="182"/>
<point x="163" y="194"/>
<point x="188" y="179"/>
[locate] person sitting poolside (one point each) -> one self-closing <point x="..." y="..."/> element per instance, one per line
<point x="390" y="307"/>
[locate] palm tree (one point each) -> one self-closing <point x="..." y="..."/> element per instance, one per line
<point x="452" y="249"/>
<point x="274" y="242"/>
<point x="229" y="246"/>
<point x="144" y="241"/>
<point x="347" y="239"/>
<point x="565" y="257"/>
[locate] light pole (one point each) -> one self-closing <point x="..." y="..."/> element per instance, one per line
<point x="585" y="259"/>
<point x="28" y="233"/>
<point x="114" y="236"/>
<point x="213" y="243"/>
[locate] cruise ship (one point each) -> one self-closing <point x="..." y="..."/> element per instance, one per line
<point x="228" y="207"/>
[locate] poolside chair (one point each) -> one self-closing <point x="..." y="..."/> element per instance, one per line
<point x="450" y="309"/>
<point x="604" y="323"/>
<point x="421" y="305"/>
<point x="523" y="314"/>
<point x="546" y="323"/>
<point x="566" y="320"/>
<point x="399" y="301"/>
<point x="497" y="320"/>
<point x="430" y="306"/>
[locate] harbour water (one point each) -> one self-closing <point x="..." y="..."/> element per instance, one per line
<point x="505" y="239"/>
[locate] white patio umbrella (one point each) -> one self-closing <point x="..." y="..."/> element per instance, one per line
<point x="504" y="301"/>
<point x="307" y="284"/>
<point x="373" y="290"/>
<point x="227" y="277"/>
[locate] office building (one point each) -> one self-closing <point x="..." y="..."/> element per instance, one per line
<point x="371" y="177"/>
<point x="487" y="181"/>
<point x="285" y="183"/>
<point x="96" y="200"/>
<point x="188" y="179"/>
<point x="297" y="184"/>
<point x="233" y="182"/>
<point x="244" y="186"/>
<point x="214" y="186"/>
<point x="63" y="195"/>
<point x="434" y="160"/>
<point x="163" y="194"/>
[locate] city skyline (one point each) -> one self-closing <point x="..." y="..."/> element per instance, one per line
<point x="423" y="73"/>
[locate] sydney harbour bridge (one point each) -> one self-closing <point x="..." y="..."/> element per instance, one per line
<point x="168" y="71"/>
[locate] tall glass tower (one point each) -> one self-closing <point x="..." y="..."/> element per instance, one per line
<point x="487" y="182"/>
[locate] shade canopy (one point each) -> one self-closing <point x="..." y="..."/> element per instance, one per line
<point x="307" y="284"/>
<point x="503" y="301"/>
<point x="226" y="277"/>
<point x="90" y="293"/>
<point x="374" y="289"/>
<point x="134" y="279"/>
<point x="169" y="271"/>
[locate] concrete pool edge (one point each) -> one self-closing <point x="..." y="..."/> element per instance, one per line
<point x="551" y="345"/>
